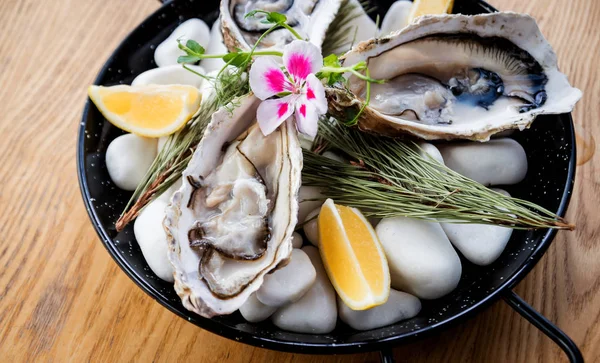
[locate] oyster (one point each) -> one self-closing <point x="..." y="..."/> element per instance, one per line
<point x="232" y="220"/>
<point x="310" y="18"/>
<point x="456" y="77"/>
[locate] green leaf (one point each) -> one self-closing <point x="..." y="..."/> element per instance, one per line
<point x="188" y="59"/>
<point x="332" y="60"/>
<point x="237" y="59"/>
<point x="195" y="47"/>
<point x="254" y="12"/>
<point x="277" y="18"/>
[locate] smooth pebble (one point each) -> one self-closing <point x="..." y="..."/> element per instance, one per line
<point x="168" y="51"/>
<point x="152" y="239"/>
<point x="399" y="306"/>
<point x="430" y="149"/>
<point x="311" y="227"/>
<point x="174" y="74"/>
<point x="316" y="311"/>
<point x="420" y="256"/>
<point x="396" y="17"/>
<point x="215" y="46"/>
<point x="288" y="283"/>
<point x="297" y="240"/>
<point x="309" y="198"/>
<point x="128" y="158"/>
<point x="361" y="28"/>
<point x="481" y="244"/>
<point x="254" y="311"/>
<point x="496" y="162"/>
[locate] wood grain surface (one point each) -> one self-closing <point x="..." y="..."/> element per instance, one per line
<point x="62" y="298"/>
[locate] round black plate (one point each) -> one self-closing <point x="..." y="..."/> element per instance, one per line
<point x="550" y="151"/>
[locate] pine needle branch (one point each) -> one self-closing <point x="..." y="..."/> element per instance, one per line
<point x="390" y="178"/>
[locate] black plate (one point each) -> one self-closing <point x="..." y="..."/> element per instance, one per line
<point x="550" y="151"/>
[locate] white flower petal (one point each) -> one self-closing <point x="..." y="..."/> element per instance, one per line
<point x="271" y="113"/>
<point x="266" y="78"/>
<point x="307" y="118"/>
<point x="302" y="58"/>
<point x="315" y="93"/>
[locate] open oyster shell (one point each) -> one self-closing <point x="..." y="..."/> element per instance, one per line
<point x="233" y="218"/>
<point x="310" y="18"/>
<point x="456" y="77"/>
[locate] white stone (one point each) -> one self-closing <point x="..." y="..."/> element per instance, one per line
<point x="128" y="158"/>
<point x="289" y="283"/>
<point x="254" y="311"/>
<point x="309" y="198"/>
<point x="399" y="306"/>
<point x="496" y="162"/>
<point x="316" y="311"/>
<point x="215" y="46"/>
<point x="311" y="227"/>
<point x="167" y="194"/>
<point x="430" y="149"/>
<point x="168" y="51"/>
<point x="420" y="256"/>
<point x="360" y="28"/>
<point x="481" y="244"/>
<point x="152" y="239"/>
<point x="174" y="74"/>
<point x="297" y="240"/>
<point x="396" y="17"/>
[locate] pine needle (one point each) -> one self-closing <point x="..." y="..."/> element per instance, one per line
<point x="174" y="157"/>
<point x="388" y="178"/>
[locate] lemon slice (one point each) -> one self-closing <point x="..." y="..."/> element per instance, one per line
<point x="353" y="257"/>
<point x="149" y="110"/>
<point x="424" y="7"/>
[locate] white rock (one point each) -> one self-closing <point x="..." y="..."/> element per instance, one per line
<point x="431" y="150"/>
<point x="215" y="46"/>
<point x="362" y="26"/>
<point x="334" y="156"/>
<point x="152" y="239"/>
<point x="316" y="312"/>
<point x="496" y="162"/>
<point x="254" y="311"/>
<point x="311" y="228"/>
<point x="420" y="256"/>
<point x="309" y="198"/>
<point x="174" y="74"/>
<point x="289" y="283"/>
<point x="167" y="194"/>
<point x="167" y="52"/>
<point x="128" y="158"/>
<point x="399" y="306"/>
<point x="297" y="240"/>
<point x="396" y="18"/>
<point x="480" y="243"/>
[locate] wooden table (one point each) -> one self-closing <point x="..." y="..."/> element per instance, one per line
<point x="63" y="298"/>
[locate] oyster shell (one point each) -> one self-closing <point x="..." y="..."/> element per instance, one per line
<point x="310" y="18"/>
<point x="456" y="77"/>
<point x="233" y="218"/>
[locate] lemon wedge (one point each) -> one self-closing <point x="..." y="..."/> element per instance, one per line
<point x="353" y="257"/>
<point x="424" y="7"/>
<point x="149" y="110"/>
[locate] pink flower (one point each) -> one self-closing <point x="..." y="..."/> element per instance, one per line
<point x="305" y="93"/>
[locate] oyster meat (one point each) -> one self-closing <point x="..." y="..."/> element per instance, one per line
<point x="310" y="18"/>
<point x="232" y="220"/>
<point x="456" y="77"/>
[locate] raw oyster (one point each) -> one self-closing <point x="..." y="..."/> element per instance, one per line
<point x="456" y="77"/>
<point x="310" y="18"/>
<point x="232" y="220"/>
